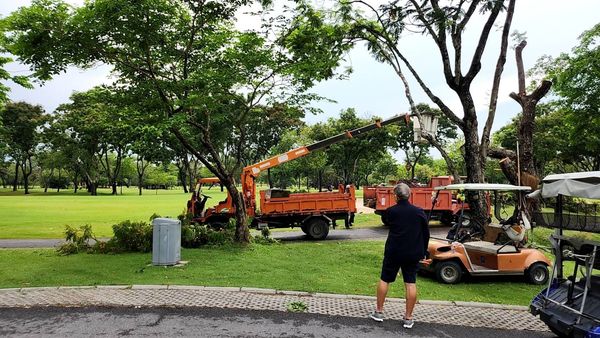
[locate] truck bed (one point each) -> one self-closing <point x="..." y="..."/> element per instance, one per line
<point x="381" y="198"/>
<point x="309" y="203"/>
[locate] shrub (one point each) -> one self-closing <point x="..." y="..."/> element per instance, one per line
<point x="154" y="216"/>
<point x="132" y="236"/>
<point x="265" y="237"/>
<point x="77" y="240"/>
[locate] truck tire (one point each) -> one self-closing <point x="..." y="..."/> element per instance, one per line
<point x="317" y="228"/>
<point x="448" y="272"/>
<point x="538" y="274"/>
<point x="304" y="228"/>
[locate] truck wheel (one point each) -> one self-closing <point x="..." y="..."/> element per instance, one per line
<point x="448" y="272"/>
<point x="304" y="228"/>
<point x="538" y="273"/>
<point x="317" y="228"/>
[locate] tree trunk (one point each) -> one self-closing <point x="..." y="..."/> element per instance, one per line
<point x="242" y="233"/>
<point x="182" y="176"/>
<point x="47" y="180"/>
<point x="269" y="178"/>
<point x="141" y="168"/>
<point x="320" y="173"/>
<point x="58" y="187"/>
<point x="16" y="180"/>
<point x="473" y="161"/>
<point x="75" y="184"/>
<point x="26" y="173"/>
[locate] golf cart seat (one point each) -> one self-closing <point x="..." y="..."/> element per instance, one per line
<point x="489" y="247"/>
<point x="570" y="246"/>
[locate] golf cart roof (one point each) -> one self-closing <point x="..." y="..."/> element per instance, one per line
<point x="584" y="184"/>
<point x="483" y="187"/>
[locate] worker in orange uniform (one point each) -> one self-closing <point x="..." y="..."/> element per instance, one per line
<point x="405" y="246"/>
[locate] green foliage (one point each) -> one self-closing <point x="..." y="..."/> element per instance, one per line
<point x="197" y="235"/>
<point x="297" y="306"/>
<point x="574" y="117"/>
<point x="182" y="66"/>
<point x="264" y="266"/>
<point x="154" y="216"/>
<point x="194" y="235"/>
<point x="76" y="240"/>
<point x="345" y="157"/>
<point x="132" y="236"/>
<point x="265" y="237"/>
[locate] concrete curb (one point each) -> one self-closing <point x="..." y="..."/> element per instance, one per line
<point x="270" y="292"/>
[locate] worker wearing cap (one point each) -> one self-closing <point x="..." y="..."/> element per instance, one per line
<point x="405" y="246"/>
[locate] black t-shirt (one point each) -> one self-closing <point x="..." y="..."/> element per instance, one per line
<point x="409" y="232"/>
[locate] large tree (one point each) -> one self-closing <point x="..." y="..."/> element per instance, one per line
<point x="21" y="123"/>
<point x="444" y="24"/>
<point x="185" y="62"/>
<point x="575" y="76"/>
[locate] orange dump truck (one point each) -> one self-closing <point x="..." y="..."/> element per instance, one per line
<point x="446" y="207"/>
<point x="314" y="213"/>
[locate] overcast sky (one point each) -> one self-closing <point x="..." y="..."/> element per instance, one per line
<point x="552" y="27"/>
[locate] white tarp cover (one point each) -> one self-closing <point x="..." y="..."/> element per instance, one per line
<point x="483" y="186"/>
<point x="584" y="184"/>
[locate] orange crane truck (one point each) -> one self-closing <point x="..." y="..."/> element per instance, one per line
<point x="314" y="213"/>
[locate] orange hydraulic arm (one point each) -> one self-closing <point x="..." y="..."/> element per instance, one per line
<point x="251" y="172"/>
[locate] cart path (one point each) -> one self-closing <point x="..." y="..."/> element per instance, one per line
<point x="375" y="233"/>
<point x="220" y="322"/>
<point x="472" y="317"/>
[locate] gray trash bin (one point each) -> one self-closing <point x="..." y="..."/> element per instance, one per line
<point x="166" y="241"/>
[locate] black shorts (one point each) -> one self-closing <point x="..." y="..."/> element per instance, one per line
<point x="391" y="266"/>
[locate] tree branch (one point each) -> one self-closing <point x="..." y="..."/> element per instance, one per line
<point x="485" y="33"/>
<point x="520" y="70"/>
<point x="485" y="137"/>
<point x="541" y="91"/>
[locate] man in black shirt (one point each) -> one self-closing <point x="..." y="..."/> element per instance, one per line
<point x="406" y="245"/>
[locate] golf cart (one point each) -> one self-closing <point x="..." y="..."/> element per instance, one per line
<point x="570" y="305"/>
<point x="487" y="249"/>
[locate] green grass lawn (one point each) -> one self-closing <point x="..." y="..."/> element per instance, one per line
<point x="44" y="215"/>
<point x="333" y="267"/>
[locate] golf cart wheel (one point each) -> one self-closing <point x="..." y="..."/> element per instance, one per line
<point x="318" y="228"/>
<point x="448" y="272"/>
<point x="538" y="273"/>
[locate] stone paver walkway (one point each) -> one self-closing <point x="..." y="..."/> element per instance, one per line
<point x="455" y="313"/>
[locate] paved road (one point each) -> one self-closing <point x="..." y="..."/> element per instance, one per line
<point x="378" y="233"/>
<point x="216" y="322"/>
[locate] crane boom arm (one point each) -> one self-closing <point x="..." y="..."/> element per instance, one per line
<point x="293" y="154"/>
<point x="250" y="172"/>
